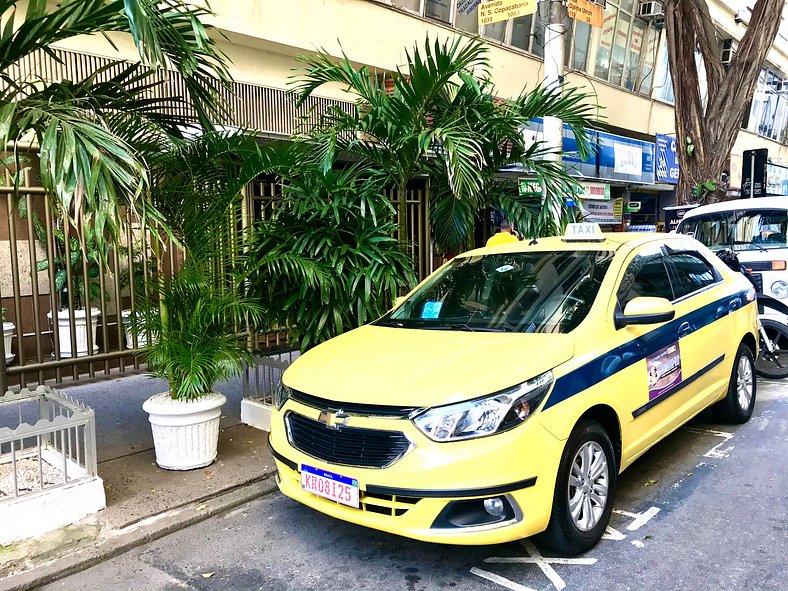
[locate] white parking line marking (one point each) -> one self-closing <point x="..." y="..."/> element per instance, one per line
<point x="638" y="519"/>
<point x="715" y="452"/>
<point x="613" y="534"/>
<point x="762" y="421"/>
<point x="638" y="544"/>
<point x="535" y="557"/>
<point x="499" y="580"/>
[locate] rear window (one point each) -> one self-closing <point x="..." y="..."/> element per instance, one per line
<point x="759" y="229"/>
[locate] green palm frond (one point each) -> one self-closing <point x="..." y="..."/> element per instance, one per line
<point x="196" y="332"/>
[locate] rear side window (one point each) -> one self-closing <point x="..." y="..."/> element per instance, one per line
<point x="646" y="276"/>
<point x="691" y="272"/>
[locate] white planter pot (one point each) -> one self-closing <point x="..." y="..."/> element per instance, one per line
<point x="8" y="336"/>
<point x="142" y="339"/>
<point x="80" y="329"/>
<point x="185" y="434"/>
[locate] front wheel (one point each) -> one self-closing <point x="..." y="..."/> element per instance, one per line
<point x="584" y="491"/>
<point x="773" y="365"/>
<point x="738" y="404"/>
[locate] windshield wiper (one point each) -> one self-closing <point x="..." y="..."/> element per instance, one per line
<point x="465" y="327"/>
<point x="389" y="322"/>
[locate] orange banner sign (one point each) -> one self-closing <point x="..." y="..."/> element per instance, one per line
<point x="585" y="12"/>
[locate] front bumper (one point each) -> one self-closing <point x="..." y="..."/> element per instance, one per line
<point x="411" y="496"/>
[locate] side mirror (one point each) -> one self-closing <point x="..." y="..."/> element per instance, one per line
<point x="645" y="311"/>
<point x="398" y="301"/>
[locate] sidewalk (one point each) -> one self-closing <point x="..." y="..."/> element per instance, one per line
<point x="143" y="501"/>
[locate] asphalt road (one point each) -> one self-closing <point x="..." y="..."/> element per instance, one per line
<point x="706" y="509"/>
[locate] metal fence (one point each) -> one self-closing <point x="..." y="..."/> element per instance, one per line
<point x="51" y="442"/>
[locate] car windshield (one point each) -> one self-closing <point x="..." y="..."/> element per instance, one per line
<point x="756" y="229"/>
<point x="545" y="292"/>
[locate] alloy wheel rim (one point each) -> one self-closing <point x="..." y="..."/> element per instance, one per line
<point x="744" y="383"/>
<point x="588" y="486"/>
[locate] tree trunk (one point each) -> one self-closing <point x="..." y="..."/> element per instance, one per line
<point x="707" y="126"/>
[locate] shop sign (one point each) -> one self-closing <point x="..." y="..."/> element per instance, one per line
<point x="667" y="170"/>
<point x="674" y="214"/>
<point x="625" y="159"/>
<point x="602" y="212"/>
<point x="529" y="187"/>
<point x="632" y="207"/>
<point x="585" y="12"/>
<point x="628" y="158"/>
<point x="593" y="191"/>
<point x="492" y="11"/>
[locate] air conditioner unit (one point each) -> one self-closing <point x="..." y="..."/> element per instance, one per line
<point x="728" y="51"/>
<point x="652" y="11"/>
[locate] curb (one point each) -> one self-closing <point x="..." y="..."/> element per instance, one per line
<point x="147" y="530"/>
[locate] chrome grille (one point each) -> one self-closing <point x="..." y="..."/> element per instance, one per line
<point x="347" y="446"/>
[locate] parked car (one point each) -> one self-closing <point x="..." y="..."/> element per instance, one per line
<point x="504" y="395"/>
<point x="755" y="229"/>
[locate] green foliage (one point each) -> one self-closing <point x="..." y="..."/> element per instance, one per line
<point x="91" y="167"/>
<point x="70" y="260"/>
<point x="327" y="261"/>
<point x="690" y="148"/>
<point x="443" y="119"/>
<point x="700" y="190"/>
<point x="197" y="332"/>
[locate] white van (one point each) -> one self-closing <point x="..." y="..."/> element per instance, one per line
<point x="755" y="229"/>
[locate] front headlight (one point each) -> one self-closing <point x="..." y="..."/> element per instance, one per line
<point x="780" y="289"/>
<point x="280" y="395"/>
<point x="485" y="416"/>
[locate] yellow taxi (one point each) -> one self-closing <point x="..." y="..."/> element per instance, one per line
<point x="502" y="397"/>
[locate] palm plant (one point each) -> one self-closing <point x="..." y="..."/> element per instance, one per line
<point x="87" y="131"/>
<point x="199" y="341"/>
<point x="328" y="260"/>
<point x="441" y="117"/>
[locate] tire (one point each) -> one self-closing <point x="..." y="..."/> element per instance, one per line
<point x="738" y="404"/>
<point x="574" y="534"/>
<point x="765" y="365"/>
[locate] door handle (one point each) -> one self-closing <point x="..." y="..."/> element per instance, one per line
<point x="685" y="329"/>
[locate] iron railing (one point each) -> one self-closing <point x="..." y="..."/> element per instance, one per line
<point x="49" y="441"/>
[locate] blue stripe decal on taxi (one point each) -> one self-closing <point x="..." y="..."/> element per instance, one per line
<point x="639" y="348"/>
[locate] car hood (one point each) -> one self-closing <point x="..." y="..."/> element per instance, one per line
<point x="408" y="367"/>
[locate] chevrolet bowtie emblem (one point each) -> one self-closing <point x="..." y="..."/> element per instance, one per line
<point x="333" y="419"/>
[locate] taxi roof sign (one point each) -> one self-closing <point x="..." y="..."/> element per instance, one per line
<point x="585" y="232"/>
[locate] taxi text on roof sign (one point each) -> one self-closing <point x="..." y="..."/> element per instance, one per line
<point x="583" y="233"/>
<point x="492" y="11"/>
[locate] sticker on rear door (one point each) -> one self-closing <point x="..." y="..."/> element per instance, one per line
<point x="664" y="370"/>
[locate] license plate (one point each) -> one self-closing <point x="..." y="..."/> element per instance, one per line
<point x="328" y="485"/>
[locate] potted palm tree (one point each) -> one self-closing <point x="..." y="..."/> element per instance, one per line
<point x="8" y="335"/>
<point x="199" y="342"/>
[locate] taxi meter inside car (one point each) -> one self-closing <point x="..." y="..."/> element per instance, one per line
<point x="503" y="396"/>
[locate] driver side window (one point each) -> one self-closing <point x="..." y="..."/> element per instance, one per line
<point x="646" y="276"/>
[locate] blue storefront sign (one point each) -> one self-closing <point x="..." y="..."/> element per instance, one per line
<point x="612" y="158"/>
<point x="667" y="160"/>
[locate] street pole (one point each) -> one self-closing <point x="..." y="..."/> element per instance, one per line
<point x="554" y="72"/>
<point x="553" y="78"/>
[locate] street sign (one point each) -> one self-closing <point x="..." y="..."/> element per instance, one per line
<point x="585" y="12"/>
<point x="492" y="11"/>
<point x="667" y="160"/>
<point x="754" y="182"/>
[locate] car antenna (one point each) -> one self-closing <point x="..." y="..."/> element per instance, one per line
<point x="533" y="242"/>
